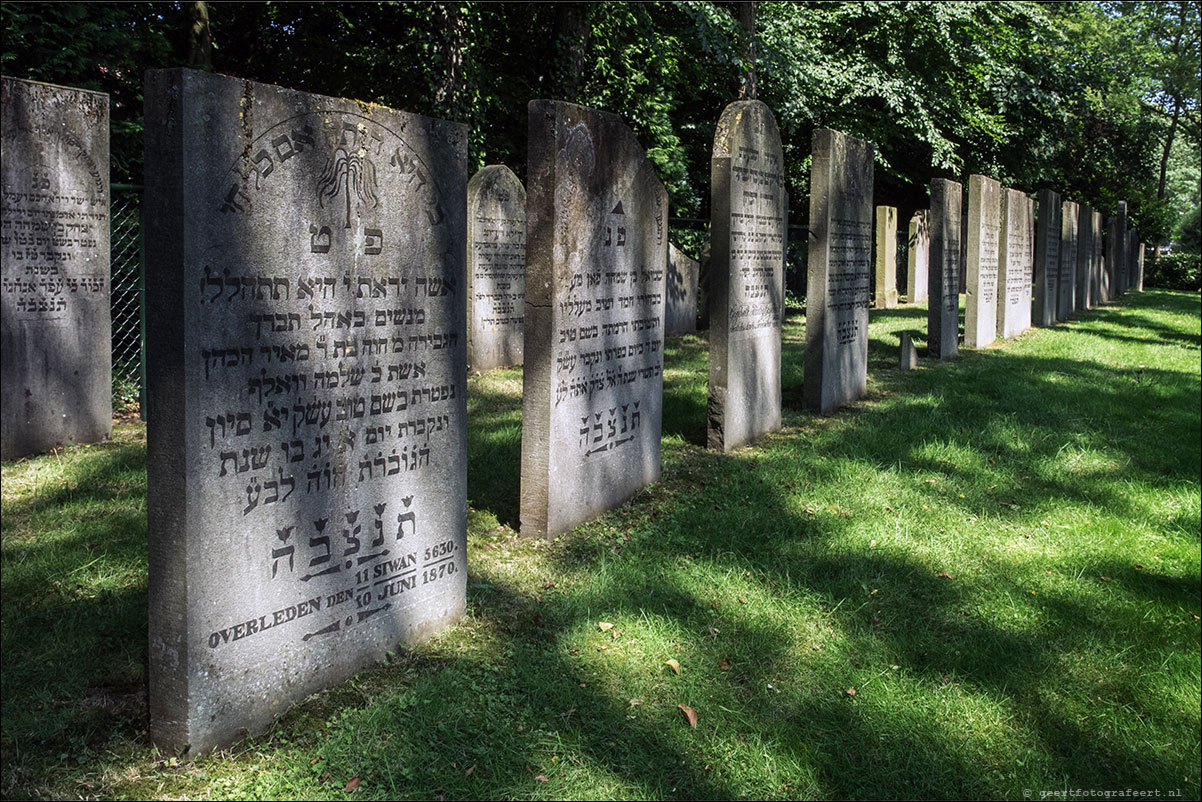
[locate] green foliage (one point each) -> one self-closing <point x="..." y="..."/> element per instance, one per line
<point x="1174" y="271"/>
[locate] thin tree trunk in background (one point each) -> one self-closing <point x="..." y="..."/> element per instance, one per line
<point x="452" y="27"/>
<point x="200" y="37"/>
<point x="747" y="17"/>
<point x="572" y="30"/>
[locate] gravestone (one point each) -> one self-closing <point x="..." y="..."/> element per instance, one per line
<point x="839" y="271"/>
<point x="747" y="268"/>
<point x="908" y="358"/>
<point x="984" y="233"/>
<point x="55" y="332"/>
<point x="943" y="302"/>
<point x="1084" y="258"/>
<point x="918" y="255"/>
<point x="885" y="286"/>
<point x="1067" y="284"/>
<point x="680" y="310"/>
<point x="1096" y="262"/>
<point x="1132" y="257"/>
<point x="596" y="258"/>
<point x="1109" y="282"/>
<point x="1139" y="275"/>
<point x="1118" y="284"/>
<point x="1016" y="246"/>
<point x="496" y="252"/>
<point x="1047" y="258"/>
<point x="306" y="277"/>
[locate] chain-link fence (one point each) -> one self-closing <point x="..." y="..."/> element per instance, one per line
<point x="126" y="285"/>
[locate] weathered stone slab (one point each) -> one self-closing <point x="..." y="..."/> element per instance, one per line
<point x="747" y="268"/>
<point x="1067" y="284"/>
<point x="885" y="259"/>
<point x="680" y="310"/>
<point x="1109" y="281"/>
<point x="918" y="255"/>
<point x="306" y="277"/>
<point x="1047" y="258"/>
<point x="1016" y="248"/>
<point x="596" y="258"/>
<point x="1139" y="272"/>
<point x="984" y="234"/>
<point x="908" y="358"/>
<point x="943" y="297"/>
<point x="1096" y="262"/>
<point x="1118" y="283"/>
<point x="496" y="252"/>
<point x="1132" y="257"/>
<point x="56" y="338"/>
<point x="839" y="271"/>
<point x="1084" y="258"/>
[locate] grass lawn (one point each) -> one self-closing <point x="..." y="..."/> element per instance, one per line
<point x="982" y="581"/>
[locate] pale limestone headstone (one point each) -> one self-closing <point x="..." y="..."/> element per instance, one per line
<point x="747" y="267"/>
<point x="1047" y="259"/>
<point x="55" y="332"/>
<point x="918" y="254"/>
<point x="306" y="442"/>
<point x="1139" y="277"/>
<point x="680" y="310"/>
<point x="885" y="261"/>
<point x="908" y="358"/>
<point x="496" y="253"/>
<point x="596" y="258"/>
<point x="943" y="297"/>
<point x="984" y="233"/>
<point x="1067" y="286"/>
<point x="839" y="271"/>
<point x="1084" y="258"/>
<point x="1016" y="249"/>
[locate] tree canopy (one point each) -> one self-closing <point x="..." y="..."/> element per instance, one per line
<point x="1098" y="100"/>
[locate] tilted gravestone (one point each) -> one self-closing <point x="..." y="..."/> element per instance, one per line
<point x="1014" y="265"/>
<point x="918" y="254"/>
<point x="680" y="310"/>
<point x="56" y="338"/>
<point x="1047" y="258"/>
<point x="747" y="268"/>
<point x="1067" y="286"/>
<point x="306" y="272"/>
<point x="984" y="233"/>
<point x="943" y="282"/>
<point x="1084" y="258"/>
<point x="496" y="253"/>
<point x="596" y="254"/>
<point x="885" y="261"/>
<point x="839" y="271"/>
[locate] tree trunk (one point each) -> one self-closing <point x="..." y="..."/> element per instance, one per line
<point x="572" y="29"/>
<point x="200" y="37"/>
<point x="747" y="17"/>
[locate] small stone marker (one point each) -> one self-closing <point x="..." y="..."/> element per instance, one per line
<point x="909" y="354"/>
<point x="886" y="258"/>
<point x="596" y="258"/>
<point x="747" y="268"/>
<point x="1084" y="258"/>
<point x="918" y="254"/>
<point x="56" y="338"/>
<point x="839" y="271"/>
<point x="306" y="277"/>
<point x="1067" y="286"/>
<point x="984" y="233"/>
<point x="496" y="248"/>
<point x="680" y="312"/>
<point x="943" y="304"/>
<point x="1014" y="265"/>
<point x="1047" y="258"/>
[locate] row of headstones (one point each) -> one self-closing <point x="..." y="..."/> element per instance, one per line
<point x="307" y="304"/>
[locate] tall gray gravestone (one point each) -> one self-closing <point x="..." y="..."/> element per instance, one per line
<point x="1132" y="257"/>
<point x="680" y="300"/>
<point x="1118" y="284"/>
<point x="747" y="268"/>
<point x="984" y="234"/>
<point x="918" y="254"/>
<point x="55" y="332"/>
<point x="1015" y="248"/>
<point x="306" y="276"/>
<point x="1096" y="262"/>
<point x="496" y="253"/>
<point x="885" y="259"/>
<point x="1109" y="283"/>
<point x="1067" y="284"/>
<point x="596" y="256"/>
<point x="1139" y="272"/>
<point x="1047" y="259"/>
<point x="1084" y="258"/>
<point x="839" y="271"/>
<point x="943" y="284"/>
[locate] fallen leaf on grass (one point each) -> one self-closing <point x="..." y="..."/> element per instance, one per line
<point x="850" y="691"/>
<point x="315" y="760"/>
<point x="1191" y="615"/>
<point x="672" y="664"/>
<point x="943" y="575"/>
<point x="635" y="702"/>
<point x="690" y="714"/>
<point x="470" y="771"/>
<point x="1105" y="579"/>
<point x="542" y="778"/>
<point x="605" y="626"/>
<point x="352" y="785"/>
<point x="1138" y="567"/>
<point x="740" y="600"/>
<point x="724" y="665"/>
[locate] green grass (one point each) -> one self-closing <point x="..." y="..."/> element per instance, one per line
<point x="999" y="555"/>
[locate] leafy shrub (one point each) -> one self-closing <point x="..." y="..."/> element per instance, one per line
<point x="1176" y="271"/>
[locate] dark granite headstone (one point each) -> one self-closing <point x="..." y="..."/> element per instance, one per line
<point x="496" y="253"/>
<point x="747" y="268"/>
<point x="306" y="277"/>
<point x="1047" y="258"/>
<point x="943" y="301"/>
<point x="1067" y="285"/>
<point x="885" y="260"/>
<point x="984" y="234"/>
<point x="1118" y="284"/>
<point x="1132" y="257"/>
<point x="55" y="332"/>
<point x="1016" y="247"/>
<point x="1096" y="262"/>
<point x="839" y="271"/>
<point x="1109" y="281"/>
<point x="918" y="254"/>
<point x="1084" y="258"/>
<point x="596" y="258"/>
<point x="680" y="311"/>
